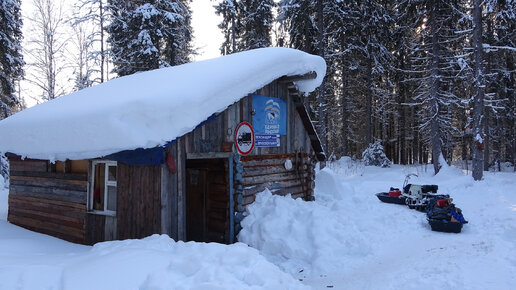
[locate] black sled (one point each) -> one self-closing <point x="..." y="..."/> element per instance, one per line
<point x="385" y="197"/>
<point x="414" y="196"/>
<point x="445" y="226"/>
<point x="443" y="216"/>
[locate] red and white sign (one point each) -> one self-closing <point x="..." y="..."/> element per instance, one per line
<point x="244" y="138"/>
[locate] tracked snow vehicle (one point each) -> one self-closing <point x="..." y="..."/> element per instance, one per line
<point x="413" y="195"/>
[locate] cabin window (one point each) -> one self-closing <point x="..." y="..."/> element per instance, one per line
<point x="103" y="192"/>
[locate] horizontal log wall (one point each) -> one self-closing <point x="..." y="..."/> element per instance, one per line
<point x="47" y="202"/>
<point x="268" y="171"/>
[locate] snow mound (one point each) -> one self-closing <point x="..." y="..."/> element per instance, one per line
<point x="156" y="262"/>
<point x="4" y="193"/>
<point x="151" y="108"/>
<point x="304" y="238"/>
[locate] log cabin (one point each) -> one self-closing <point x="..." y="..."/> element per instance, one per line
<point x="166" y="151"/>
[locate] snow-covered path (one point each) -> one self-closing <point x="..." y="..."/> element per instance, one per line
<point x="347" y="239"/>
<point x="406" y="254"/>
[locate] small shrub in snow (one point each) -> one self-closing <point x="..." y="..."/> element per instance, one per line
<point x="375" y="156"/>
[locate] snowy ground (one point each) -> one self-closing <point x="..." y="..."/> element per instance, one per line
<point x="347" y="239"/>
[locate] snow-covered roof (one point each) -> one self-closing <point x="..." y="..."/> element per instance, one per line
<point x="151" y="108"/>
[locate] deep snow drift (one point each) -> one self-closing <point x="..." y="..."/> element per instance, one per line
<point x="347" y="239"/>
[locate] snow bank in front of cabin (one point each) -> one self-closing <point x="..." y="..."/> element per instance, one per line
<point x="151" y="108"/>
<point x="306" y="238"/>
<point x="4" y="194"/>
<point x="33" y="261"/>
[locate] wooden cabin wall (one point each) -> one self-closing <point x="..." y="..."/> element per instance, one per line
<point x="138" y="213"/>
<point x="173" y="222"/>
<point x="269" y="171"/>
<point x="209" y="136"/>
<point x="138" y="200"/>
<point x="47" y="202"/>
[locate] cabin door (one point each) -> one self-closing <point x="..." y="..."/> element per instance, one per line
<point x="207" y="200"/>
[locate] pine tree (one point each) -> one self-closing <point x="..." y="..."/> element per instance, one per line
<point x="11" y="60"/>
<point x="374" y="155"/>
<point x="149" y="36"/>
<point x="437" y="63"/>
<point x="256" y="18"/>
<point x="246" y="24"/>
<point x="230" y="25"/>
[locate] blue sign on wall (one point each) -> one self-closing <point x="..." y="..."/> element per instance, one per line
<point x="270" y="115"/>
<point x="267" y="140"/>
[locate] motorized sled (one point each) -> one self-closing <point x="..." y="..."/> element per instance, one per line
<point x="419" y="196"/>
<point x="413" y="195"/>
<point x="443" y="216"/>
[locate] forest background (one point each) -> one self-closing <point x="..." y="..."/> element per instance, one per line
<point x="432" y="81"/>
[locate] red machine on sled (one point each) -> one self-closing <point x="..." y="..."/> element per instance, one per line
<point x="413" y="195"/>
<point x="442" y="215"/>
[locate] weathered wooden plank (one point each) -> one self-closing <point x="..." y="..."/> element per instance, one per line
<point x="208" y="155"/>
<point x="277" y="177"/>
<point x="50" y="184"/>
<point x="181" y="191"/>
<point x="248" y="200"/>
<point x="29" y="165"/>
<point x="249" y="190"/>
<point x="34" y="200"/>
<point x="63" y="236"/>
<point x="50" y="193"/>
<point x="169" y="196"/>
<point x="95" y="224"/>
<point x="50" y="180"/>
<point x="46" y="226"/>
<point x="52" y="175"/>
<point x="272" y="169"/>
<point x="110" y="228"/>
<point x="249" y="158"/>
<point x="77" y="223"/>
<point x="68" y="213"/>
<point x="139" y="201"/>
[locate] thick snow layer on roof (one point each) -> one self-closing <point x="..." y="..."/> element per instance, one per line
<point x="149" y="109"/>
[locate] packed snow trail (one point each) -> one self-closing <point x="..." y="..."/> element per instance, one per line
<point x="398" y="250"/>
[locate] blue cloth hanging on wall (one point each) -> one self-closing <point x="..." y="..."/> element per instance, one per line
<point x="140" y="156"/>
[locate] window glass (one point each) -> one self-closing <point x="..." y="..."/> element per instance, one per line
<point x="99" y="186"/>
<point x="103" y="194"/>
<point x="112" y="173"/>
<point x="111" y="198"/>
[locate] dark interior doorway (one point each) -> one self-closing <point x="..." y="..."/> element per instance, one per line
<point x="207" y="200"/>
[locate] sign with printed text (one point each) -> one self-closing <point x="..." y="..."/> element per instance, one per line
<point x="270" y="115"/>
<point x="267" y="140"/>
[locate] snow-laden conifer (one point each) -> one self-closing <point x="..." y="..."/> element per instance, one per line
<point x="11" y="60"/>
<point x="148" y="36"/>
<point x="374" y="155"/>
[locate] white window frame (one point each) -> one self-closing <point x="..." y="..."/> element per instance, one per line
<point x="107" y="182"/>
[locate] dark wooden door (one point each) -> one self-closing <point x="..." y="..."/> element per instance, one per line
<point x="195" y="204"/>
<point x="207" y="201"/>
